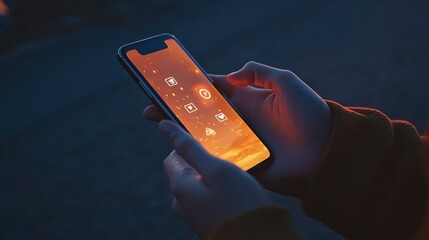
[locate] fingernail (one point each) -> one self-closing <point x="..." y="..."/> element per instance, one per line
<point x="167" y="127"/>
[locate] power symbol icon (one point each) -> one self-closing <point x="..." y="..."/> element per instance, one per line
<point x="204" y="93"/>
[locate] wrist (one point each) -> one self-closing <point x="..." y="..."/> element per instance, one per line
<point x="315" y="153"/>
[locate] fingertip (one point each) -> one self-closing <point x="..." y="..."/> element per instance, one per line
<point x="146" y="112"/>
<point x="221" y="83"/>
<point x="244" y="76"/>
<point x="153" y="113"/>
<point x="239" y="80"/>
<point x="218" y="79"/>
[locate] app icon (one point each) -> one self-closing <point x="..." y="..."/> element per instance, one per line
<point x="210" y="132"/>
<point x="205" y="93"/>
<point x="190" y="107"/>
<point x="171" y="81"/>
<point x="221" y="117"/>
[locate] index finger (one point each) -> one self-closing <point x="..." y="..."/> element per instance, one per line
<point x="188" y="148"/>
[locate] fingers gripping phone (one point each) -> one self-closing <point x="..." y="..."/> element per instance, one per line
<point x="175" y="82"/>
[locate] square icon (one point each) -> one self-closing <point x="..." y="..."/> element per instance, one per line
<point x="190" y="107"/>
<point x="171" y="81"/>
<point x="221" y="117"/>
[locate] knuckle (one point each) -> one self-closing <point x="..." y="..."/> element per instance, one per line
<point x="250" y="64"/>
<point x="287" y="73"/>
<point x="184" y="146"/>
<point x="188" y="171"/>
<point x="168" y="160"/>
<point x="179" y="186"/>
<point x="220" y="170"/>
<point x="172" y="137"/>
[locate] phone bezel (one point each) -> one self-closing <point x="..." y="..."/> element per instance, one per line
<point x="157" y="99"/>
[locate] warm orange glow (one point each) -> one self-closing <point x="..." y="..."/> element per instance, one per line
<point x="200" y="107"/>
<point x="4" y="10"/>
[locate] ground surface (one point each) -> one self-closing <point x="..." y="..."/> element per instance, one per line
<point x="77" y="161"/>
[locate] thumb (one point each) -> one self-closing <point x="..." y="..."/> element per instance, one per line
<point x="223" y="85"/>
<point x="261" y="75"/>
<point x="188" y="148"/>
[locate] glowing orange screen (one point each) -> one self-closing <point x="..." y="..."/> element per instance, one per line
<point x="200" y="107"/>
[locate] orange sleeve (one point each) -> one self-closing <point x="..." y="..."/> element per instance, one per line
<point x="263" y="223"/>
<point x="370" y="183"/>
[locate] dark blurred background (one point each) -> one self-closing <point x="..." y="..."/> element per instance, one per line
<point x="77" y="161"/>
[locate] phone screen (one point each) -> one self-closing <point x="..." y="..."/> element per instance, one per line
<point x="199" y="106"/>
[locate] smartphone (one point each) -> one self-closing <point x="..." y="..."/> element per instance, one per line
<point x="175" y="82"/>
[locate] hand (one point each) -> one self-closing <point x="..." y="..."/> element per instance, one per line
<point x="206" y="190"/>
<point x="289" y="116"/>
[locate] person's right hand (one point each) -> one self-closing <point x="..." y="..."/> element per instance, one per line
<point x="286" y="114"/>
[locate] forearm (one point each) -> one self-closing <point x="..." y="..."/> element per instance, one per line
<point x="370" y="182"/>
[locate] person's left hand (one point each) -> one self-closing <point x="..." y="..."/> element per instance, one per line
<point x="206" y="190"/>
